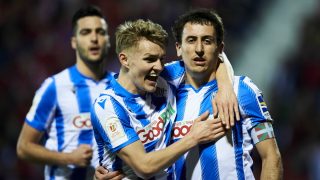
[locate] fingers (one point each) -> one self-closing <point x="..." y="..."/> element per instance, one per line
<point x="231" y="113"/>
<point x="102" y="170"/>
<point x="203" y="117"/>
<point x="221" y="113"/>
<point x="215" y="108"/>
<point x="102" y="173"/>
<point x="226" y="116"/>
<point x="236" y="110"/>
<point x="115" y="175"/>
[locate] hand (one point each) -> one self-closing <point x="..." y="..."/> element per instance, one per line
<point x="82" y="155"/>
<point x="225" y="104"/>
<point x="206" y="130"/>
<point x="102" y="173"/>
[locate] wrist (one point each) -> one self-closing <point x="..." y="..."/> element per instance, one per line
<point x="67" y="158"/>
<point x="190" y="140"/>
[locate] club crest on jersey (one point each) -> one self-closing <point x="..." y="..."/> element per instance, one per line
<point x="82" y="121"/>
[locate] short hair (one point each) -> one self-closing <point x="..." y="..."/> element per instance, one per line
<point x="89" y="10"/>
<point x="129" y="33"/>
<point x="198" y="16"/>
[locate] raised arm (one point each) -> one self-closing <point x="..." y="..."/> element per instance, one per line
<point x="225" y="102"/>
<point x="146" y="164"/>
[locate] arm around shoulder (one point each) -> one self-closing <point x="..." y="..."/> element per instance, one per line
<point x="146" y="164"/>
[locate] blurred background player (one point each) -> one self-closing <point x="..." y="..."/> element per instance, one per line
<point x="61" y="107"/>
<point x="199" y="42"/>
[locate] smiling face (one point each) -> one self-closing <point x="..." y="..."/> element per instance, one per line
<point x="199" y="50"/>
<point x="143" y="63"/>
<point x="91" y="39"/>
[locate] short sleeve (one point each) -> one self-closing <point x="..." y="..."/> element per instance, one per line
<point x="43" y="106"/>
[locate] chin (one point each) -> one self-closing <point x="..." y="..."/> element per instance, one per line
<point x="150" y="89"/>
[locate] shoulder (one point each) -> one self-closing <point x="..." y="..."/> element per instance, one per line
<point x="173" y="70"/>
<point x="244" y="86"/>
<point x="63" y="77"/>
<point x="250" y="97"/>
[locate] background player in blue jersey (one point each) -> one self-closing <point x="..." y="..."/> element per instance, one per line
<point x="199" y="42"/>
<point x="133" y="117"/>
<point x="61" y="106"/>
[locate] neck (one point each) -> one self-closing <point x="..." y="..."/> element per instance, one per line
<point x="197" y="80"/>
<point x="92" y="70"/>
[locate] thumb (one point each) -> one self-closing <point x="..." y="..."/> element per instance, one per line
<point x="203" y="117"/>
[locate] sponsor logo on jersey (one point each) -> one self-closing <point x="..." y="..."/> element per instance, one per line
<point x="155" y="129"/>
<point x="181" y="128"/>
<point x="82" y="121"/>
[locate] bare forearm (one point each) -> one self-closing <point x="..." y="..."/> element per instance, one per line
<point x="150" y="163"/>
<point x="39" y="154"/>
<point x="272" y="169"/>
<point x="164" y="158"/>
<point x="224" y="72"/>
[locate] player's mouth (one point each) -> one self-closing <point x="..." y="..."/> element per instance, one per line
<point x="94" y="50"/>
<point x="152" y="77"/>
<point x="199" y="61"/>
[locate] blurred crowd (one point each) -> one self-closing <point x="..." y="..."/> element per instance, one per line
<point x="295" y="104"/>
<point x="35" y="43"/>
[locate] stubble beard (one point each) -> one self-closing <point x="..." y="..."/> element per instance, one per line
<point x="90" y="62"/>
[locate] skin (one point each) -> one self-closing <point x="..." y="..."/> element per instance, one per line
<point x="138" y="63"/>
<point x="143" y="65"/>
<point x="199" y="41"/>
<point x="200" y="52"/>
<point x="271" y="159"/>
<point x="90" y="43"/>
<point x="137" y="82"/>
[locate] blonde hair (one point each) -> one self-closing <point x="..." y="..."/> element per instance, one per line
<point x="129" y="33"/>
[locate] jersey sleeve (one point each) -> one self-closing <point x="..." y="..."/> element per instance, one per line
<point x="174" y="73"/>
<point x="112" y="123"/>
<point x="253" y="108"/>
<point x="43" y="106"/>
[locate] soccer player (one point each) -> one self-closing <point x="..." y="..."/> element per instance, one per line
<point x="61" y="107"/>
<point x="199" y="42"/>
<point x="133" y="117"/>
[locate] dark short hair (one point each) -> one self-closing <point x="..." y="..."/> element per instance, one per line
<point x="198" y="16"/>
<point x="89" y="10"/>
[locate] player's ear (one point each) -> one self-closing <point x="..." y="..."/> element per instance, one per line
<point x="123" y="58"/>
<point x="73" y="42"/>
<point x="178" y="49"/>
<point x="221" y="47"/>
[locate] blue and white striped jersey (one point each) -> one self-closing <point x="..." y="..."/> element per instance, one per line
<point x="229" y="157"/>
<point x="61" y="109"/>
<point x="120" y="118"/>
